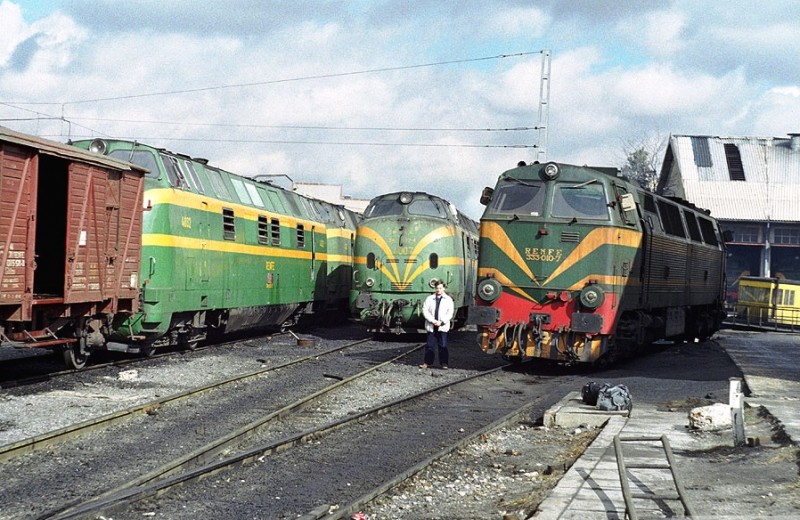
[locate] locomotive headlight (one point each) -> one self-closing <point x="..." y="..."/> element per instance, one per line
<point x="405" y="198"/>
<point x="98" y="146"/>
<point x="592" y="297"/>
<point x="550" y="171"/>
<point x="433" y="283"/>
<point x="369" y="282"/>
<point x="489" y="290"/>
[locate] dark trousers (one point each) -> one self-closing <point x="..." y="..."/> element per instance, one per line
<point x="436" y="341"/>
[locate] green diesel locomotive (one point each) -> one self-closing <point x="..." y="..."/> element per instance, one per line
<point x="579" y="265"/>
<point x="406" y="242"/>
<point x="224" y="253"/>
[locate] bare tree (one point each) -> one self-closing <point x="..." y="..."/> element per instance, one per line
<point x="643" y="158"/>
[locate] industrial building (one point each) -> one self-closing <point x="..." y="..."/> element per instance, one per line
<point x="752" y="186"/>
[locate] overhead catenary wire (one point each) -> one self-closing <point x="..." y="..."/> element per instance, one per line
<point x="276" y="81"/>
<point x="73" y="120"/>
<point x="334" y="143"/>
<point x="310" y="127"/>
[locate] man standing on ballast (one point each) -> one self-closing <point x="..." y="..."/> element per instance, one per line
<point x="438" y="310"/>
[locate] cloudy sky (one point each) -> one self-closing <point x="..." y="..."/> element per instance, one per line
<point x="429" y="95"/>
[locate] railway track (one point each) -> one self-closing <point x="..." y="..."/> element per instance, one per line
<point x="50" y="439"/>
<point x="22" y="371"/>
<point x="273" y="462"/>
<point x="88" y="459"/>
<point x="209" y="459"/>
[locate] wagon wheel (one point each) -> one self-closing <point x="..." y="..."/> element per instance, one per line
<point x="703" y="327"/>
<point x="189" y="345"/>
<point x="186" y="341"/>
<point x="76" y="355"/>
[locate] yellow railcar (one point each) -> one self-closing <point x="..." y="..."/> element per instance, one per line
<point x="769" y="301"/>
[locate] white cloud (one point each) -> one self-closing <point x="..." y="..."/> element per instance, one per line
<point x="778" y="112"/>
<point x="13" y="30"/>
<point x="663" y="70"/>
<point x="662" y="33"/>
<point x="516" y="21"/>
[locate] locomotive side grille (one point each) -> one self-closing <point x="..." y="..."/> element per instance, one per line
<point x="570" y="236"/>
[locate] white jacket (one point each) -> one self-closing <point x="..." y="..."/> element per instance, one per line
<point x="446" y="310"/>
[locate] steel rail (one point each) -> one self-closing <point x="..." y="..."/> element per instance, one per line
<point x="43" y="441"/>
<point x="11" y="383"/>
<point x="323" y="511"/>
<point x="125" y="495"/>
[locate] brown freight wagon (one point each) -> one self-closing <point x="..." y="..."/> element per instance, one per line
<point x="70" y="244"/>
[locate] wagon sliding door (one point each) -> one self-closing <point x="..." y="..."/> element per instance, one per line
<point x="99" y="237"/>
<point x="17" y="232"/>
<point x="51" y="227"/>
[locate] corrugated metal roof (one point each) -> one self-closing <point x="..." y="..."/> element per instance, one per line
<point x="65" y="151"/>
<point x="703" y="167"/>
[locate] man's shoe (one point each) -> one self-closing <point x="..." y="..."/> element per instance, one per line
<point x="424" y="365"/>
<point x="444" y="367"/>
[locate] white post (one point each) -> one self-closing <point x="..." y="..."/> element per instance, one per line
<point x="736" y="400"/>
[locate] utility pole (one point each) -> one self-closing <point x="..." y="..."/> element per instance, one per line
<point x="544" y="107"/>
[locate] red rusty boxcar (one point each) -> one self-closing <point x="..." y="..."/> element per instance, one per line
<point x="70" y="244"/>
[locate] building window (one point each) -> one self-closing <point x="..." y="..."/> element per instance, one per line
<point x="734" y="159"/>
<point x="702" y="155"/>
<point x="746" y="235"/>
<point x="788" y="236"/>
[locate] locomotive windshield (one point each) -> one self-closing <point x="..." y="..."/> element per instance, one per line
<point x="424" y="207"/>
<point x="583" y="201"/>
<point x="144" y="158"/>
<point x="515" y="196"/>
<point x="427" y="208"/>
<point x="384" y="208"/>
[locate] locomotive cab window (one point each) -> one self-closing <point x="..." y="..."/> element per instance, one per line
<point x="651" y="214"/>
<point x="384" y="208"/>
<point x="191" y="175"/>
<point x="518" y="197"/>
<point x="427" y="208"/>
<point x="143" y="158"/>
<point x="581" y="201"/>
<point x="174" y="173"/>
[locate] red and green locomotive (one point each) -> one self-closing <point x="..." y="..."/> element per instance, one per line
<point x="578" y="265"/>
